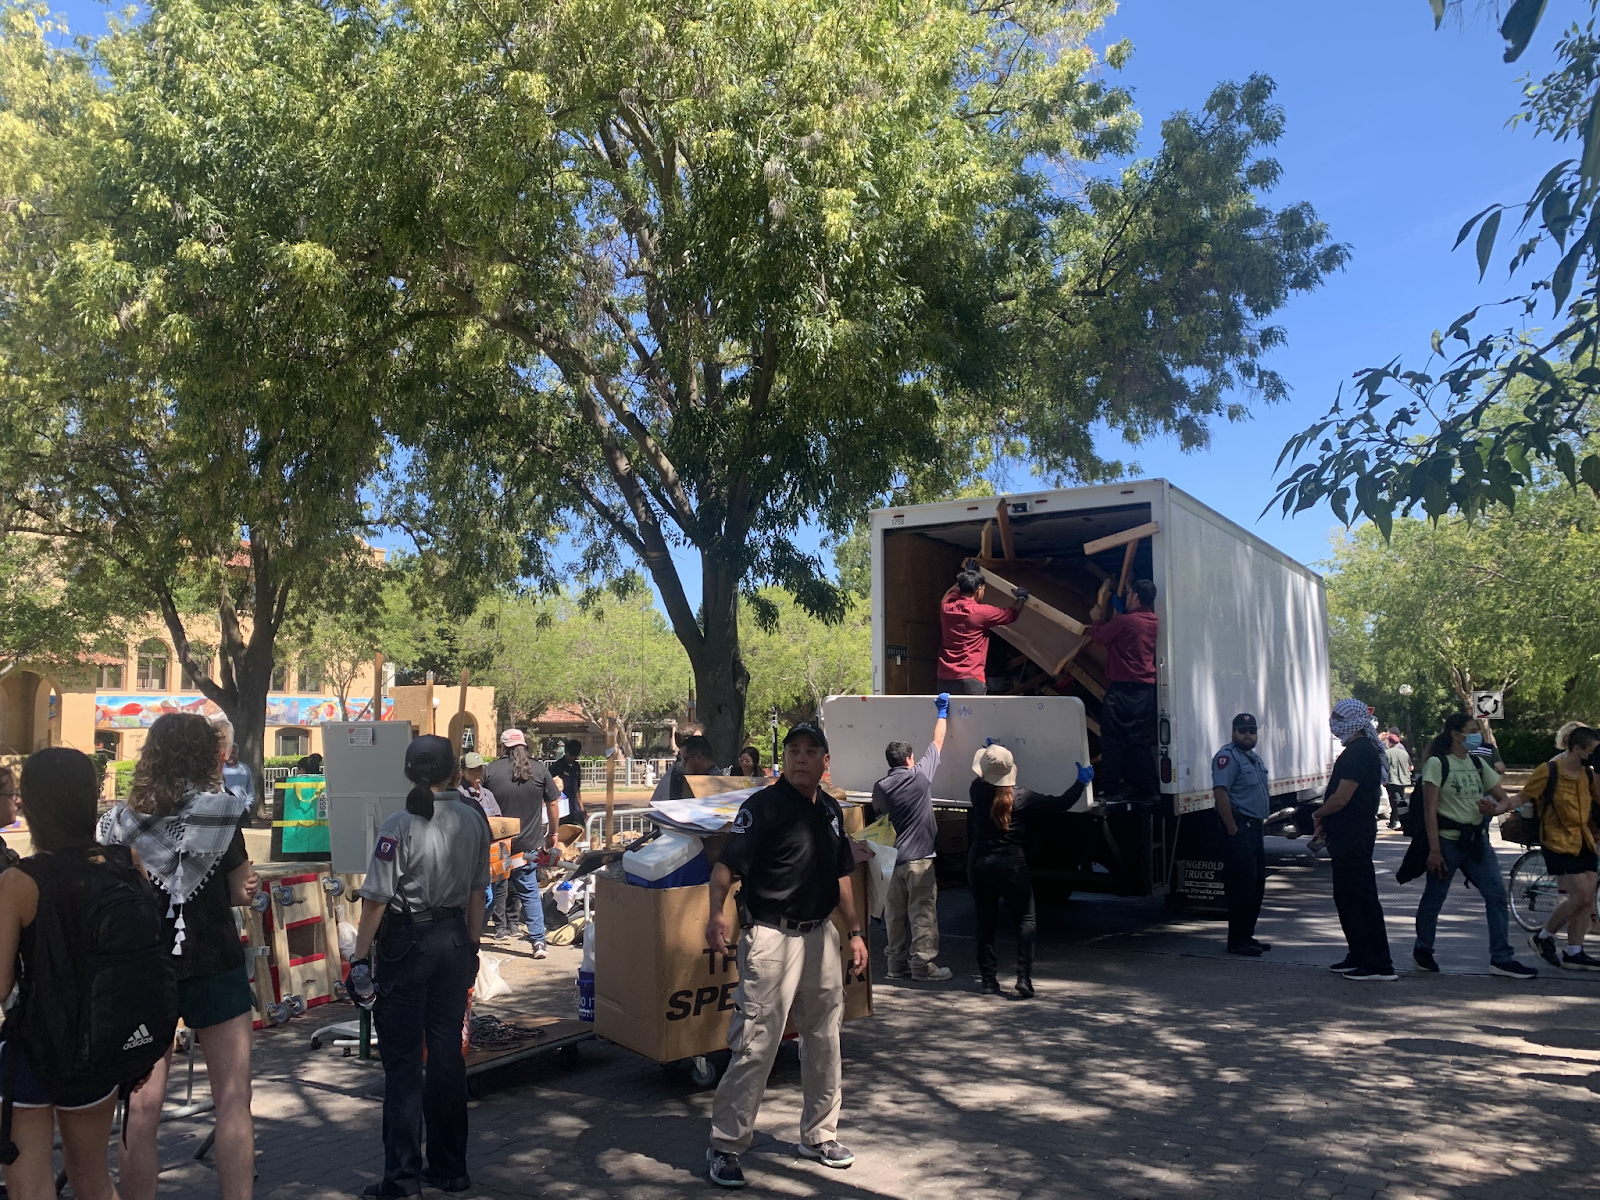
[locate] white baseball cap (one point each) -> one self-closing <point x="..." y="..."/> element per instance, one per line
<point x="513" y="737"/>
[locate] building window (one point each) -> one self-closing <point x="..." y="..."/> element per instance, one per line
<point x="293" y="741"/>
<point x="189" y="678"/>
<point x="309" y="677"/>
<point x="110" y="677"/>
<point x="280" y="677"/>
<point x="152" y="675"/>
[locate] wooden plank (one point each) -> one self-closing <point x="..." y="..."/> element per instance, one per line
<point x="986" y="540"/>
<point x="1049" y="612"/>
<point x="1127" y="569"/>
<point x="1111" y="541"/>
<point x="1007" y="543"/>
<point x="1088" y="680"/>
<point x="1044" y="643"/>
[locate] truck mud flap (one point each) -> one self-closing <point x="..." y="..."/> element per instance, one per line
<point x="1197" y="864"/>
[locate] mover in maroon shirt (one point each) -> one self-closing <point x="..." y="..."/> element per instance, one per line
<point x="1128" y="713"/>
<point x="964" y="622"/>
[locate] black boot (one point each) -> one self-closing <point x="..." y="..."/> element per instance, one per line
<point x="1024" y="987"/>
<point x="990" y="986"/>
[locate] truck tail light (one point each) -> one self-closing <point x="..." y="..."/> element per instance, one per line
<point x="1166" y="769"/>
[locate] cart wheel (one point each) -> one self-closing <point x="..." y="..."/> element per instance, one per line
<point x="569" y="1057"/>
<point x="185" y="1040"/>
<point x="333" y="885"/>
<point x="339" y="992"/>
<point x="277" y="1014"/>
<point x="702" y="1071"/>
<point x="284" y="894"/>
<point x="297" y="1006"/>
<point x="262" y="902"/>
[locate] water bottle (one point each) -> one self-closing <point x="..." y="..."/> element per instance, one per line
<point x="361" y="988"/>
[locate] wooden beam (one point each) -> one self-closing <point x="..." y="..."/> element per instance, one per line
<point x="1088" y="680"/>
<point x="1003" y="514"/>
<point x="1120" y="539"/>
<point x="1127" y="569"/>
<point x="1016" y="562"/>
<point x="1034" y="603"/>
<point x="1026" y="680"/>
<point x="986" y="540"/>
<point x="1095" y="570"/>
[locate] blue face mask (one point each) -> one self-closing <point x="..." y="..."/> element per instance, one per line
<point x="1474" y="740"/>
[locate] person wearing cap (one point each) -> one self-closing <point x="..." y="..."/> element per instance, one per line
<point x="788" y="847"/>
<point x="997" y="866"/>
<point x="1241" y="785"/>
<point x="911" y="907"/>
<point x="524" y="789"/>
<point x="421" y="920"/>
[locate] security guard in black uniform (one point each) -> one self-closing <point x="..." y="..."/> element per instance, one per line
<point x="1241" y="787"/>
<point x="789" y="847"/>
<point x="423" y="904"/>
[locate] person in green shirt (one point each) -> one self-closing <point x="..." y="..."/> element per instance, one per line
<point x="1459" y="794"/>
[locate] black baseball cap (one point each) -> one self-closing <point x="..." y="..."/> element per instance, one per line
<point x="1246" y="721"/>
<point x="806" y="729"/>
<point x="430" y="759"/>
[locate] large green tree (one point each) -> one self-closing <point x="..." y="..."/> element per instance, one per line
<point x="194" y="380"/>
<point x="1433" y="438"/>
<point x="752" y="266"/>
<point x="797" y="659"/>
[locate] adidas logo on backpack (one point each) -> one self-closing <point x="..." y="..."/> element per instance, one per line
<point x="139" y="1037"/>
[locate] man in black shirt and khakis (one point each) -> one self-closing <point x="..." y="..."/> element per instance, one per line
<point x="789" y="847"/>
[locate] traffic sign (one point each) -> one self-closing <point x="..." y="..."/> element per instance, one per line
<point x="1489" y="704"/>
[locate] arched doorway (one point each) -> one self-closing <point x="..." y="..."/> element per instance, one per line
<point x="463" y="733"/>
<point x="19" y="704"/>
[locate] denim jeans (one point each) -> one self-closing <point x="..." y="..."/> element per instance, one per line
<point x="1482" y="867"/>
<point x="525" y="891"/>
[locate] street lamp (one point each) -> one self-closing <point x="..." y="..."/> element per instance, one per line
<point x="774" y="717"/>
<point x="1406" y="690"/>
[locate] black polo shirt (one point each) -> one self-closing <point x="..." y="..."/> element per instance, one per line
<point x="790" y="852"/>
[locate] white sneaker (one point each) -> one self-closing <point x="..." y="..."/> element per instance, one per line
<point x="539" y="951"/>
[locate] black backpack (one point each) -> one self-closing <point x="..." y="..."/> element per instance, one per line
<point x="99" y="995"/>
<point x="1414" y="823"/>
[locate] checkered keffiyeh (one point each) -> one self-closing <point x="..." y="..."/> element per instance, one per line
<point x="180" y="850"/>
<point x="1350" y="719"/>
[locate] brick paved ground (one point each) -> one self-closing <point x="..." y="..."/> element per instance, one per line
<point x="1149" y="1065"/>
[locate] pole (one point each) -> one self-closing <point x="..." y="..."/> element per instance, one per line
<point x="427" y="702"/>
<point x="611" y="777"/>
<point x="461" y="708"/>
<point x="377" y="686"/>
<point x="775" y="765"/>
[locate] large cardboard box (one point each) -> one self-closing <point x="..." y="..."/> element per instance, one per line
<point x="657" y="989"/>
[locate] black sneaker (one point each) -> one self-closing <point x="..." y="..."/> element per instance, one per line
<point x="458" y="1183"/>
<point x="1261" y="946"/>
<point x="1579" y="962"/>
<point x="1545" y="948"/>
<point x="1515" y="970"/>
<point x="829" y="1154"/>
<point x="989" y="987"/>
<point x="1363" y="975"/>
<point x="1024" y="987"/>
<point x="1425" y="960"/>
<point x="723" y="1169"/>
<point x="1345" y="965"/>
<point x="1248" y="949"/>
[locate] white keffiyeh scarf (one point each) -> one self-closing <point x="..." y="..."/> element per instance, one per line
<point x="1350" y="718"/>
<point x="180" y="850"/>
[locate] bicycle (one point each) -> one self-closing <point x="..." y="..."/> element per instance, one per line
<point x="1531" y="890"/>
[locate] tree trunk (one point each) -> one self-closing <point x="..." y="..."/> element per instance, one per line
<point x="720" y="679"/>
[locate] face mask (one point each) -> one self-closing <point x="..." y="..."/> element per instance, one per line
<point x="1474" y="740"/>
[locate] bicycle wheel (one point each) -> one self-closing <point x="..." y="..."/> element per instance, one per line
<point x="1532" y="892"/>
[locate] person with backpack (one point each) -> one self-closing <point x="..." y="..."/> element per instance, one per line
<point x="1459" y="793"/>
<point x="1565" y="793"/>
<point x="80" y="925"/>
<point x="421" y="921"/>
<point x="188" y="831"/>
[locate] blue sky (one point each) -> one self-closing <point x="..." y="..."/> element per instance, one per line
<point x="1396" y="134"/>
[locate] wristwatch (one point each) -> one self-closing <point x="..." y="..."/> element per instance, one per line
<point x="859" y="933"/>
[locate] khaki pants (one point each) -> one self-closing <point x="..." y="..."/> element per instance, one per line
<point x="777" y="970"/>
<point x="911" y="913"/>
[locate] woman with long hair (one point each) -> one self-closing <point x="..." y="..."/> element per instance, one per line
<point x="59" y="796"/>
<point x="188" y="831"/>
<point x="1460" y="792"/>
<point x="8" y="813"/>
<point x="422" y="914"/>
<point x="749" y="764"/>
<point x="997" y="868"/>
<point x="525" y="789"/>
<point x="1564" y="793"/>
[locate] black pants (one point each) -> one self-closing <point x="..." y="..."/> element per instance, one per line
<point x="423" y="973"/>
<point x="1127" y="730"/>
<point x="1244" y="877"/>
<point x="996" y="878"/>
<point x="1355" y="890"/>
<point x="965" y="687"/>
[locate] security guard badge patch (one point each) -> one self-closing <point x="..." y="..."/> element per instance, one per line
<point x="742" y="820"/>
<point x="1222" y="762"/>
<point x="384" y="850"/>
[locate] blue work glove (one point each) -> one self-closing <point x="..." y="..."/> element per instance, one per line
<point x="1021" y="594"/>
<point x="941" y="705"/>
<point x="1119" y="604"/>
<point x="1085" y="774"/>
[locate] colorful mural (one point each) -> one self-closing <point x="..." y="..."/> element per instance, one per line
<point x="140" y="712"/>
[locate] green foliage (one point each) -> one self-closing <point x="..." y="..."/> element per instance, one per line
<point x="1500" y="600"/>
<point x="1526" y="747"/>
<point x="124" y="777"/>
<point x="1435" y="439"/>
<point x="800" y="659"/>
<point x="56" y="605"/>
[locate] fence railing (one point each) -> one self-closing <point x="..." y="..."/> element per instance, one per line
<point x="631" y="772"/>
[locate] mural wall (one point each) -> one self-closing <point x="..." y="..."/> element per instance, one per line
<point x="140" y="712"/>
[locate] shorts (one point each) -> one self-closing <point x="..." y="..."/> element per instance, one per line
<point x="1582" y="863"/>
<point x="30" y="1093"/>
<point x="207" y="1000"/>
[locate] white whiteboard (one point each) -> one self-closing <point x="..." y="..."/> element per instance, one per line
<point x="365" y="765"/>
<point x="1047" y="735"/>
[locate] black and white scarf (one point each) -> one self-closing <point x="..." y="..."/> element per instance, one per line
<point x="180" y="850"/>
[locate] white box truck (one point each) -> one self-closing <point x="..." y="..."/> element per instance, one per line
<point x="1243" y="628"/>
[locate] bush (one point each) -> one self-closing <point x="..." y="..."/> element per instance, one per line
<point x="281" y="760"/>
<point x="123" y="776"/>
<point x="1525" y="747"/>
